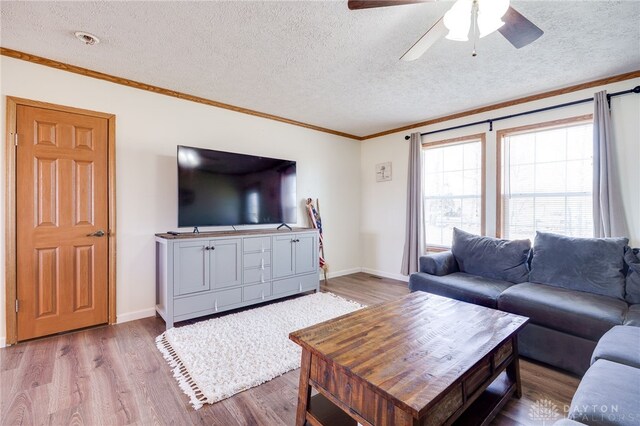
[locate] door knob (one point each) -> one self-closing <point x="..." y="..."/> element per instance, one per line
<point x="98" y="233"/>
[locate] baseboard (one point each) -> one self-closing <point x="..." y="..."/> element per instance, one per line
<point x="334" y="274"/>
<point x="149" y="312"/>
<point x="136" y="315"/>
<point x="3" y="342"/>
<point x="398" y="277"/>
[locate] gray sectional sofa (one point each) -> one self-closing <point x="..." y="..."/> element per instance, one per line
<point x="573" y="289"/>
<point x="609" y="393"/>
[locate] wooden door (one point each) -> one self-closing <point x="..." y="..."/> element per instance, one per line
<point x="61" y="221"/>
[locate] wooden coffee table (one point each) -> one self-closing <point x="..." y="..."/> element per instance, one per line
<point x="419" y="360"/>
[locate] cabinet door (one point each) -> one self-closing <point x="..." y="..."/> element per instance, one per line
<point x="191" y="267"/>
<point x="306" y="256"/>
<point x="225" y="260"/>
<point x="283" y="262"/>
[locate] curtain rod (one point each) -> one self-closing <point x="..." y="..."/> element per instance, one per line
<point x="504" y="117"/>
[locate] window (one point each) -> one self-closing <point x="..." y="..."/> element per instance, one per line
<point x="546" y="180"/>
<point x="453" y="188"/>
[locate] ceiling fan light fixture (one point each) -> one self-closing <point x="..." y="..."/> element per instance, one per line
<point x="488" y="24"/>
<point x="490" y="13"/>
<point x="458" y="20"/>
<point x="493" y="8"/>
<point x="457" y="36"/>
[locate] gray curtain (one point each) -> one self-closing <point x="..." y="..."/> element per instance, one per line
<point x="414" y="235"/>
<point x="608" y="216"/>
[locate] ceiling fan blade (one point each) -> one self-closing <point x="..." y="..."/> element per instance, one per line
<point x="435" y="33"/>
<point x="367" y="4"/>
<point x="518" y="30"/>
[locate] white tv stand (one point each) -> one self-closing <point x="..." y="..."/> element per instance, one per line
<point x="211" y="272"/>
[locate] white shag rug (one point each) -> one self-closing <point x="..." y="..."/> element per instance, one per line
<point x="215" y="359"/>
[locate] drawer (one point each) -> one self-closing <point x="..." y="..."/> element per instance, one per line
<point x="257" y="260"/>
<point x="310" y="282"/>
<point x="209" y="301"/>
<point x="477" y="377"/>
<point x="444" y="408"/>
<point x="254" y="293"/>
<point x="227" y="298"/>
<point x="190" y="304"/>
<point x="256" y="275"/>
<point x="296" y="284"/>
<point x="502" y="353"/>
<point x="259" y="244"/>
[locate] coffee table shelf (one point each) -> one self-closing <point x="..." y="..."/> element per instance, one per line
<point x="323" y="412"/>
<point x="489" y="403"/>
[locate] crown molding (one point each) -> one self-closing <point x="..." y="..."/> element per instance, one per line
<point x="162" y="91"/>
<point x="192" y="98"/>
<point x="505" y="104"/>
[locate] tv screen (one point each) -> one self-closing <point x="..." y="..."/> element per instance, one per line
<point x="217" y="188"/>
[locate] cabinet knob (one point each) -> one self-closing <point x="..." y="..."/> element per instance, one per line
<point x="206" y="247"/>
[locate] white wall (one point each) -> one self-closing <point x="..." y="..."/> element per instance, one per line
<point x="383" y="204"/>
<point x="364" y="220"/>
<point x="148" y="128"/>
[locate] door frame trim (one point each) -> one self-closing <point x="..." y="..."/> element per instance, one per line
<point x="10" y="208"/>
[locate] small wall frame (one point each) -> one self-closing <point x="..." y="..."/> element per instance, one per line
<point x="383" y="172"/>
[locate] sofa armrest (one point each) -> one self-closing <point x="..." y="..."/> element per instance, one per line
<point x="443" y="263"/>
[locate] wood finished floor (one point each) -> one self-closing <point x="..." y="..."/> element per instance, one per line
<point x="115" y="375"/>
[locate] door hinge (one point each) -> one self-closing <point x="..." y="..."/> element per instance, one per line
<point x="15" y="139"/>
<point x="17" y="305"/>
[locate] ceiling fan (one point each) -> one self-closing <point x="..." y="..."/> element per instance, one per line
<point x="486" y="16"/>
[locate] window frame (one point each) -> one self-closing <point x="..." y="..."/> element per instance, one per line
<point x="482" y="138"/>
<point x="530" y="128"/>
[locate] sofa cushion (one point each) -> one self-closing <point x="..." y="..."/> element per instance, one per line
<point x="504" y="260"/>
<point x="461" y="286"/>
<point x="562" y="350"/>
<point x="574" y="312"/>
<point x="632" y="286"/>
<point x="633" y="316"/>
<point x="607" y="395"/>
<point x="594" y="265"/>
<point x="621" y="344"/>
<point x="442" y="263"/>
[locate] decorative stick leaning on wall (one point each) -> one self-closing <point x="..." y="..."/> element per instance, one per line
<point x="316" y="222"/>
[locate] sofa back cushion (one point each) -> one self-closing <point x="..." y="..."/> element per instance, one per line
<point x="491" y="257"/>
<point x="632" y="258"/>
<point x="594" y="265"/>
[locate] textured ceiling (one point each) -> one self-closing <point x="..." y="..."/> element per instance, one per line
<point x="318" y="62"/>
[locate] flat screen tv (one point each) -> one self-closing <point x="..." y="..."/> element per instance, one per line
<point x="217" y="188"/>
